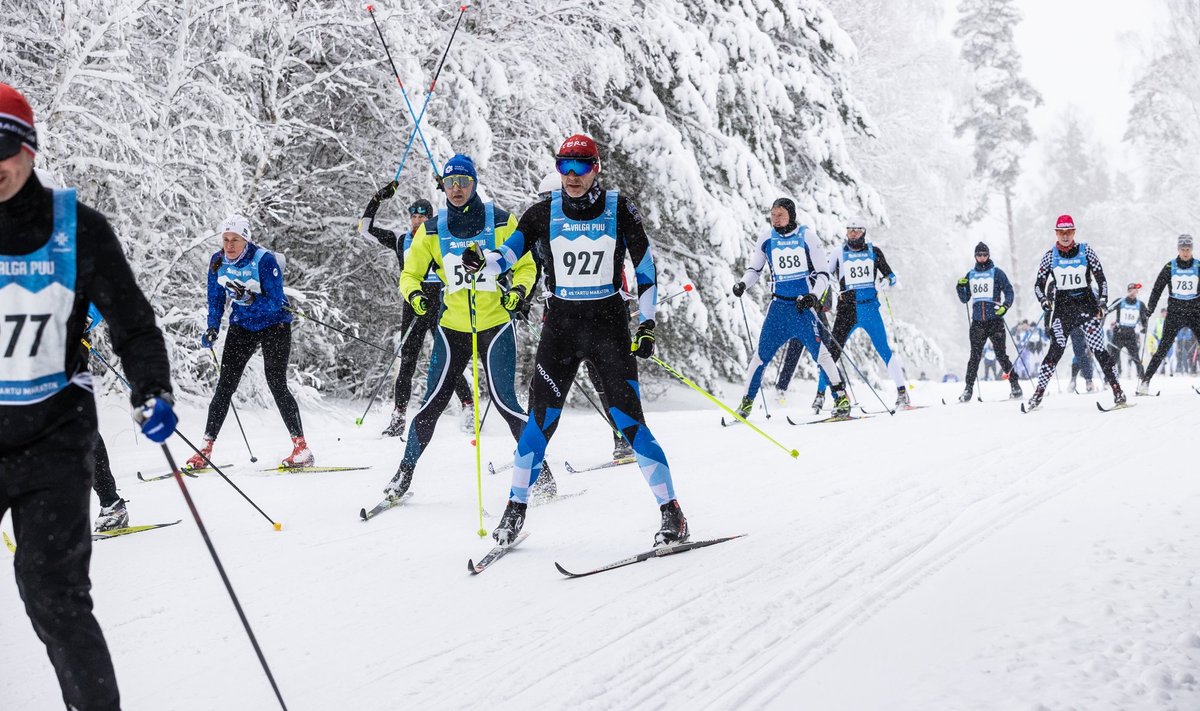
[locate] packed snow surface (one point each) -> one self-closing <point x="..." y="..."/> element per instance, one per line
<point x="952" y="557"/>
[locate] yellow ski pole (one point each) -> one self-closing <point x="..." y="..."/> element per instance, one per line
<point x="475" y="394"/>
<point x="683" y="379"/>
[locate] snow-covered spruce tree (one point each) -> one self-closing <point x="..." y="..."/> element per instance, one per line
<point x="998" y="114"/>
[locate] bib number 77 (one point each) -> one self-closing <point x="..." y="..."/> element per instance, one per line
<point x="17" y="327"/>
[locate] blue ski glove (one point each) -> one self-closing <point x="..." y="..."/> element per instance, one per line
<point x="209" y="338"/>
<point x="643" y="340"/>
<point x="157" y="417"/>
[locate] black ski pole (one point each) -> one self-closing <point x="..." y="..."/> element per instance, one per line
<point x="399" y="354"/>
<point x="403" y="91"/>
<point x="750" y="340"/>
<point x="331" y="327"/>
<point x="428" y="95"/>
<point x="93" y="351"/>
<point x="234" y="408"/>
<point x="212" y="551"/>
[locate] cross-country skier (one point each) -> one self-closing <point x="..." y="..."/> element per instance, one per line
<point x="862" y="272"/>
<point x="113" y="511"/>
<point x="56" y="256"/>
<point x="798" y="267"/>
<point x="581" y="236"/>
<point x="1132" y="314"/>
<point x="988" y="294"/>
<point x="795" y="349"/>
<point x="466" y="220"/>
<point x="1072" y="267"/>
<point x="1180" y="277"/>
<point x="431" y="286"/>
<point x="252" y="278"/>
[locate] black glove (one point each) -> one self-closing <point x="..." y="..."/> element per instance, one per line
<point x="739" y="289"/>
<point x="437" y="180"/>
<point x="386" y="192"/>
<point x="643" y="340"/>
<point x="1047" y="305"/>
<point x="241" y="294"/>
<point x="472" y="260"/>
<point x="209" y="338"/>
<point x="806" y="302"/>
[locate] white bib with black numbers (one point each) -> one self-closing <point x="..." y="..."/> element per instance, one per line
<point x="982" y="285"/>
<point x="37" y="295"/>
<point x="1184" y="282"/>
<point x="1129" y="314"/>
<point x="858" y="268"/>
<point x="584" y="251"/>
<point x="1070" y="273"/>
<point x="453" y="248"/>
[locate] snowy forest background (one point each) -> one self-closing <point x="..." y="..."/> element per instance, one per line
<point x="168" y="117"/>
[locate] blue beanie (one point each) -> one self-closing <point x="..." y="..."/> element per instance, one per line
<point x="460" y="165"/>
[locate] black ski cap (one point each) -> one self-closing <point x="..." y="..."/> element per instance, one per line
<point x="421" y="207"/>
<point x="786" y="204"/>
<point x="982" y="248"/>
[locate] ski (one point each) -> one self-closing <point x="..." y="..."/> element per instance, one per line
<point x="495" y="554"/>
<point x="1121" y="406"/>
<point x="1038" y="407"/>
<point x="730" y="423"/>
<point x="114" y="533"/>
<point x="1154" y="394"/>
<point x="842" y="418"/>
<point x="492" y="469"/>
<point x="12" y="547"/>
<point x="186" y="472"/>
<point x="543" y="500"/>
<point x="382" y="506"/>
<point x="605" y="465"/>
<point x="656" y="552"/>
<point x="310" y="470"/>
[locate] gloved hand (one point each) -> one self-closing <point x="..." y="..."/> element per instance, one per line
<point x="1101" y="313"/>
<point x="964" y="281"/>
<point x="209" y="338"/>
<point x="1001" y="310"/>
<point x="889" y="283"/>
<point x="806" y="302"/>
<point x="239" y="292"/>
<point x="511" y="300"/>
<point x="419" y="303"/>
<point x="472" y="260"/>
<point x="1047" y="305"/>
<point x="157" y="417"/>
<point x="643" y="340"/>
<point x="739" y="289"/>
<point x="386" y="192"/>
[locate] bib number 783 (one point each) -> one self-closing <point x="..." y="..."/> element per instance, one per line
<point x="14" y="326"/>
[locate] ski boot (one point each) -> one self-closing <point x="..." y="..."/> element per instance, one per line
<point x="197" y="461"/>
<point x="967" y="393"/>
<point x="1118" y="393"/>
<point x="510" y="523"/>
<point x="468" y="414"/>
<point x="622" y="449"/>
<point x="745" y="407"/>
<point x="1035" y="401"/>
<point x="399" y="484"/>
<point x="841" y="403"/>
<point x="902" y="401"/>
<point x="301" y="455"/>
<point x="1016" y="393"/>
<point x="545" y="487"/>
<point x="112" y="517"/>
<point x="1091" y="387"/>
<point x="1143" y="388"/>
<point x="396" y="427"/>
<point x="674" y="526"/>
<point x="818" y="403"/>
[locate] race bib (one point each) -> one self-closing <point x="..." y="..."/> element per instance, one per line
<point x="789" y="263"/>
<point x="983" y="289"/>
<point x="858" y="273"/>
<point x="1073" y="277"/>
<point x="1184" y="286"/>
<point x="1129" y="316"/>
<point x="584" y="264"/>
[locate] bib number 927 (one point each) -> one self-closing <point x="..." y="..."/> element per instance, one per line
<point x="583" y="263"/>
<point x="16" y="325"/>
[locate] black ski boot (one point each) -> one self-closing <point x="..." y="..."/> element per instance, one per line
<point x="1118" y="393"/>
<point x="902" y="400"/>
<point x="545" y="487"/>
<point x="112" y="517"/>
<point x="510" y="523"/>
<point x="841" y="403"/>
<point x="967" y="393"/>
<point x="622" y="449"/>
<point x="1016" y="393"/>
<point x="1036" y="400"/>
<point x="674" y="526"/>
<point x="818" y="403"/>
<point x="396" y="427"/>
<point x="399" y="484"/>
<point x="745" y="407"/>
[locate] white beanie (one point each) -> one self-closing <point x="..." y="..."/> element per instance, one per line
<point x="238" y="224"/>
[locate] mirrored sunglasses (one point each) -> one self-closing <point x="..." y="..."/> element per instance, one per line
<point x="458" y="181"/>
<point x="578" y="166"/>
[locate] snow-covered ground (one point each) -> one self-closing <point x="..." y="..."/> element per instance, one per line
<point x="954" y="557"/>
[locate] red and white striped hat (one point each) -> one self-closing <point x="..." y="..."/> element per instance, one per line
<point x="16" y="123"/>
<point x="1064" y="222"/>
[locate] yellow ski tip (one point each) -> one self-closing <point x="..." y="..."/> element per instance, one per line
<point x="482" y="533"/>
<point x="278" y="526"/>
<point x="795" y="454"/>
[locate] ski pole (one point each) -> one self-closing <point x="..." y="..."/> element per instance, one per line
<point x="750" y="340"/>
<point x="399" y="354"/>
<point x="711" y="398"/>
<point x="1013" y="336"/>
<point x="429" y="94"/>
<point x="686" y="288"/>
<point x="486" y="410"/>
<point x="846" y="357"/>
<point x="331" y="327"/>
<point x="234" y="408"/>
<point x="93" y="351"/>
<point x="475" y="394"/>
<point x="212" y="551"/>
<point x="403" y="91"/>
<point x="714" y="346"/>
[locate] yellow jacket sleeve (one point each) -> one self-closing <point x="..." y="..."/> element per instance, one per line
<point x="416" y="262"/>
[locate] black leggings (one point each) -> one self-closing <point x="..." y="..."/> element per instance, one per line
<point x="240" y="344"/>
<point x="410" y="349"/>
<point x="981" y="332"/>
<point x="1127" y="339"/>
<point x="104" y="484"/>
<point x="1174" y="321"/>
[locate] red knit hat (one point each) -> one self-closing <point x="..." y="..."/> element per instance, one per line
<point x="579" y="146"/>
<point x="1064" y="222"/>
<point x="16" y="123"/>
